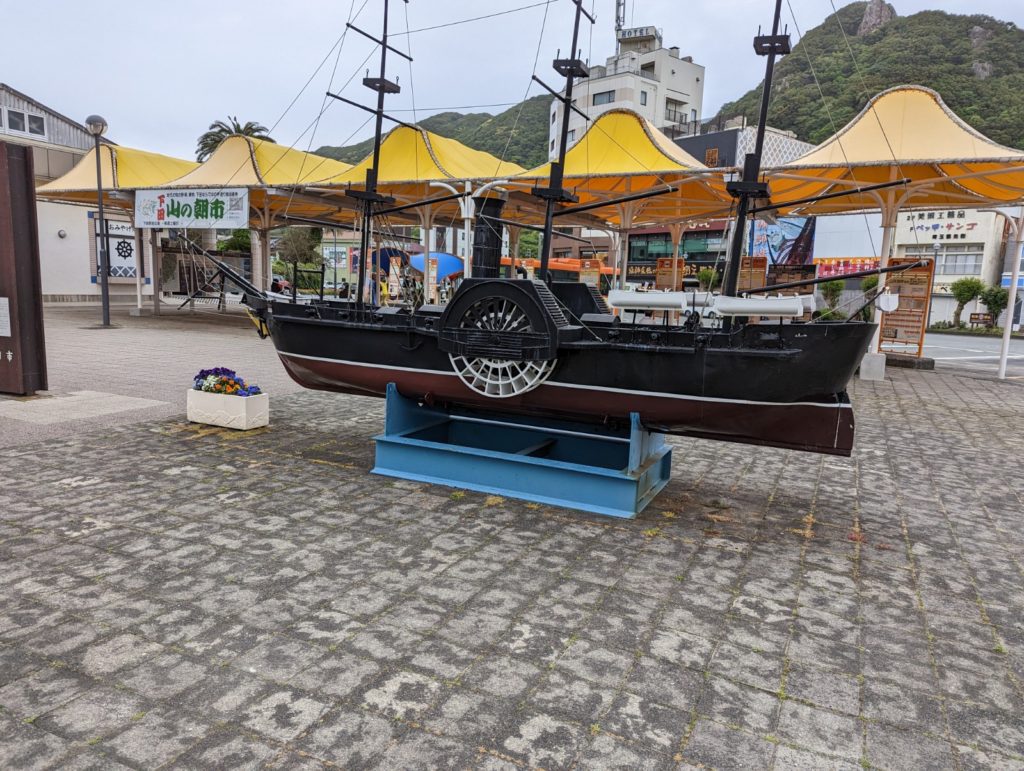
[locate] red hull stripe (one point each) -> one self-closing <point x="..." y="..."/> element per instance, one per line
<point x="801" y="425"/>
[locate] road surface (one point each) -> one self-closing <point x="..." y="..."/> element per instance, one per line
<point x="979" y="355"/>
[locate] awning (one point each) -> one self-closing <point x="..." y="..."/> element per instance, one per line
<point x="907" y="132"/>
<point x="123" y="169"/>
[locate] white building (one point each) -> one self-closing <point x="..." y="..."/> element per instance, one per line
<point x="643" y="76"/>
<point x="67" y="243"/>
<point x="966" y="243"/>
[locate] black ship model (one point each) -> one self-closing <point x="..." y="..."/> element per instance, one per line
<point x="505" y="345"/>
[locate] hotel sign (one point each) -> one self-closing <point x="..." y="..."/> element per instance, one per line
<point x="192" y="208"/>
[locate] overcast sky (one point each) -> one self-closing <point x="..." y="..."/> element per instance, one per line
<point x="160" y="72"/>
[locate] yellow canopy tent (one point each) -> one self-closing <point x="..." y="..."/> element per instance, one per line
<point x="267" y="169"/>
<point x="416" y="165"/>
<point x="904" y="133"/>
<point x="122" y="169"/>
<point x="622" y="154"/>
<point x="907" y="132"/>
<point x="411" y="157"/>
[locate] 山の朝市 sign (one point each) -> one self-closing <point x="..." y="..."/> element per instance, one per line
<point x="199" y="208"/>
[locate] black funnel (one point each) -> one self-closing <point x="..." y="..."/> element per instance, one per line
<point x="487" y="238"/>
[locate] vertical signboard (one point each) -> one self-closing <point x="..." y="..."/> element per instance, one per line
<point x="753" y="273"/>
<point x="22" y="351"/>
<point x="664" y="271"/>
<point x="590" y="272"/>
<point x="121" y="256"/>
<point x="903" y="329"/>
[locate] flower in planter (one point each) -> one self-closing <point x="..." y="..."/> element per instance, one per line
<point x="221" y="380"/>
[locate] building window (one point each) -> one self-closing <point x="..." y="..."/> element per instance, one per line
<point x="553" y="116"/>
<point x="643" y="98"/>
<point x="571" y="137"/>
<point x="26" y="123"/>
<point x="953" y="259"/>
<point x="604" y="97"/>
<point x="552" y="145"/>
<point x="15" y="120"/>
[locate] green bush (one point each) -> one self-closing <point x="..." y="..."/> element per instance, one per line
<point x="964" y="290"/>
<point x="995" y="299"/>
<point x="708" y="278"/>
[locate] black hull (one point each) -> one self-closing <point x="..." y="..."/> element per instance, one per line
<point x="774" y="385"/>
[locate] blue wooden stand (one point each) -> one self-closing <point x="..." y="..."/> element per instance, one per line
<point x="578" y="466"/>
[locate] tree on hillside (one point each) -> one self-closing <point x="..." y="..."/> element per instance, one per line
<point x="220" y="130"/>
<point x="964" y="290"/>
<point x="980" y="73"/>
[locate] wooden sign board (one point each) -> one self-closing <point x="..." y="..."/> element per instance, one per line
<point x="753" y="273"/>
<point x="22" y="350"/>
<point x="903" y="329"/>
<point x="664" y="273"/>
<point x="590" y="272"/>
<point x="785" y="274"/>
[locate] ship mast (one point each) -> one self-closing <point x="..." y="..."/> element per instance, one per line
<point x="571" y="68"/>
<point x="369" y="197"/>
<point x="749" y="187"/>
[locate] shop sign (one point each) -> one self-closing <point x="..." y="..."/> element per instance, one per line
<point x="199" y="208"/>
<point x="903" y="329"/>
<point x="121" y="252"/>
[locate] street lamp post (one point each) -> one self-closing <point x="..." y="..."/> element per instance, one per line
<point x="97" y="126"/>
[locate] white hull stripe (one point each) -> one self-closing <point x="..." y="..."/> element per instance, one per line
<point x="576" y="386"/>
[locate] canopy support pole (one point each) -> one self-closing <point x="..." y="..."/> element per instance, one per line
<point x="872" y="366"/>
<point x="1013" y="249"/>
<point x="426" y="238"/>
<point x="140" y="261"/>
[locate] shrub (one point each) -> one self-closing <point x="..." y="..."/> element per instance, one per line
<point x="995" y="299"/>
<point x="964" y="290"/>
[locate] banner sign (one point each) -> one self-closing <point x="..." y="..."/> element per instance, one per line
<point x="903" y="329"/>
<point x="837" y="267"/>
<point x="199" y="208"/>
<point x="787" y="241"/>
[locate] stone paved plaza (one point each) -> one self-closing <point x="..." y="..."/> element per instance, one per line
<point x="187" y="597"/>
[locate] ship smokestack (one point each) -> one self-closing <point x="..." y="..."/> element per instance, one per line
<point x="487" y="238"/>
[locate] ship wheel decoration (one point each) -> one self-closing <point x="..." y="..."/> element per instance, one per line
<point x="495" y="377"/>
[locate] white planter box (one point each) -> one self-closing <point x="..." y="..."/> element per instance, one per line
<point x="242" y="412"/>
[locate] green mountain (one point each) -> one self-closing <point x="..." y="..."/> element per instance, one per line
<point x="975" y="62"/>
<point x="526" y="123"/>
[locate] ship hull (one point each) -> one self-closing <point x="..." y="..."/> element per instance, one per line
<point x="791" y="395"/>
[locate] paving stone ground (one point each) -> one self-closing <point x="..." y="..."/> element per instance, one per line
<point x="177" y="596"/>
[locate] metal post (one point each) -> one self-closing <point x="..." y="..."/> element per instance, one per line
<point x="101" y="266"/>
<point x="1014" y="249"/>
<point x="156" y="267"/>
<point x="139" y="262"/>
<point x="467" y="230"/>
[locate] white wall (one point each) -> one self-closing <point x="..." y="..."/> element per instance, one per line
<point x="848" y="235"/>
<point x="66" y="264"/>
